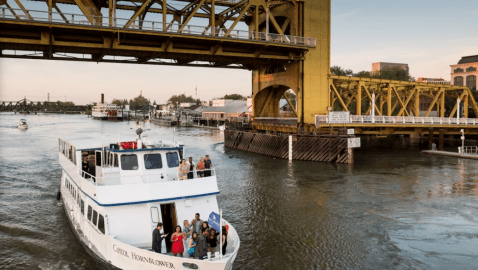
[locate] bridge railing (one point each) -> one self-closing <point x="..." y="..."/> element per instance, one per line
<point x="120" y="23"/>
<point x="468" y="150"/>
<point x="368" y="119"/>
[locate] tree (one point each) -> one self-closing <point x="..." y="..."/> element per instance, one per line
<point x="234" y="97"/>
<point x="336" y="70"/>
<point x="183" y="99"/>
<point x="393" y="73"/>
<point x="139" y="103"/>
<point x="291" y="96"/>
<point x="363" y="74"/>
<point x="120" y="102"/>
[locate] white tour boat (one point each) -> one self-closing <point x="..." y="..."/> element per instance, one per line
<point x="116" y="198"/>
<point x="23" y="124"/>
<point x="106" y="111"/>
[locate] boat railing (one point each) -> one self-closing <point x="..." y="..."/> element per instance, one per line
<point x="197" y="173"/>
<point x="88" y="176"/>
<point x="468" y="150"/>
<point x="146" y="179"/>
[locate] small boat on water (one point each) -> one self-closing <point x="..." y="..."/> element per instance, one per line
<point x="114" y="193"/>
<point x="222" y="128"/>
<point x="23" y="124"/>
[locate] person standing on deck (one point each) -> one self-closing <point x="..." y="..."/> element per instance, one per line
<point x="191" y="168"/>
<point x="197" y="224"/>
<point x="201" y="245"/>
<point x="157" y="238"/>
<point x="208" y="166"/>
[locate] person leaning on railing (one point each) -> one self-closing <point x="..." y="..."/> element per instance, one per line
<point x="183" y="170"/>
<point x="207" y="166"/>
<point x="200" y="167"/>
<point x="191" y="168"/>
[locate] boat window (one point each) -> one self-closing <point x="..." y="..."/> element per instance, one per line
<point x="129" y="162"/>
<point x="116" y="160"/>
<point x="153" y="161"/>
<point x="154" y="215"/>
<point x="98" y="159"/>
<point x="173" y="160"/>
<point x="95" y="217"/>
<point x="82" y="207"/>
<point x="101" y="224"/>
<point x="90" y="211"/>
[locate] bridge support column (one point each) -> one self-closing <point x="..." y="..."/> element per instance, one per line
<point x="441" y="139"/>
<point x="430" y="138"/>
<point x="350" y="153"/>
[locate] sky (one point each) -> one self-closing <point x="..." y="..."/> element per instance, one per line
<point x="428" y="35"/>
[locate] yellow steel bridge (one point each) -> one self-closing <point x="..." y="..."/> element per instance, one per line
<point x="285" y="43"/>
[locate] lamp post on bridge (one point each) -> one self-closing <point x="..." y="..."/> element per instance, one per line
<point x="373" y="108"/>
<point x="462" y="141"/>
<point x="458" y="111"/>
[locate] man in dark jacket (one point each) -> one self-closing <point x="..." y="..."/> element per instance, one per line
<point x="157" y="238"/>
<point x="201" y="245"/>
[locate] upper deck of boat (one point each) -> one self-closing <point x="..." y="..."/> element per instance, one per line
<point x="115" y="171"/>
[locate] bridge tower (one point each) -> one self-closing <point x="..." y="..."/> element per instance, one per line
<point x="308" y="78"/>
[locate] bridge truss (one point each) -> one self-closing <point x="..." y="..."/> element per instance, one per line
<point x="204" y="33"/>
<point x="25" y="105"/>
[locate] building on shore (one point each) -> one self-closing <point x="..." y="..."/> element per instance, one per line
<point x="226" y="109"/>
<point x="379" y="66"/>
<point x="464" y="73"/>
<point x="426" y="101"/>
<point x="434" y="81"/>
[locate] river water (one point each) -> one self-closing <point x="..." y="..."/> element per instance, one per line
<point x="395" y="208"/>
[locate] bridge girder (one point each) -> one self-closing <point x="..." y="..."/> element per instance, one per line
<point x="111" y="43"/>
<point x="396" y="98"/>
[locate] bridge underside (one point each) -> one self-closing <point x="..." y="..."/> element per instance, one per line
<point x="157" y="32"/>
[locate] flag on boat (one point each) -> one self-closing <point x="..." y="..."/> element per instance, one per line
<point x="214" y="220"/>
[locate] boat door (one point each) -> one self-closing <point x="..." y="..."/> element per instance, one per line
<point x="155" y="218"/>
<point x="168" y="214"/>
<point x="98" y="163"/>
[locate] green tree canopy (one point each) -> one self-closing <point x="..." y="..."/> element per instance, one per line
<point x="120" y="102"/>
<point x="139" y="103"/>
<point x="234" y="97"/>
<point x="336" y="70"/>
<point x="393" y="73"/>
<point x="363" y="74"/>
<point x="291" y="96"/>
<point x="183" y="99"/>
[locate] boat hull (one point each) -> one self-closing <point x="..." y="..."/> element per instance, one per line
<point x="125" y="254"/>
<point x="104" y="264"/>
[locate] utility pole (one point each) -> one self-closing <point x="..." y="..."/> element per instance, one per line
<point x="48" y="98"/>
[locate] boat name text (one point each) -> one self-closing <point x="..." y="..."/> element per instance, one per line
<point x="152" y="261"/>
<point x="120" y="251"/>
<point x="142" y="258"/>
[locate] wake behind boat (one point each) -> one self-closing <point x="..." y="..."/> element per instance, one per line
<point x="116" y="197"/>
